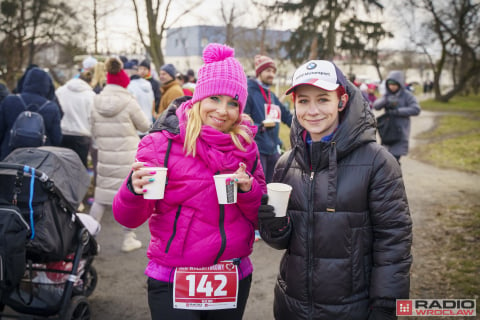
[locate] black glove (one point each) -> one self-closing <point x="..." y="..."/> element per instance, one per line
<point x="267" y="220"/>
<point x="382" y="314"/>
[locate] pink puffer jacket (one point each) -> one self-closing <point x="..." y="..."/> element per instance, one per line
<point x="187" y="226"/>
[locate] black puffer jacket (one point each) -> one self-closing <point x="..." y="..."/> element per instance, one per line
<point x="349" y="237"/>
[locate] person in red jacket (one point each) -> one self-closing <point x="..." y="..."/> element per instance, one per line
<point x="197" y="243"/>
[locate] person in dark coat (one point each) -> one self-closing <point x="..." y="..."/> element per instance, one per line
<point x="401" y="104"/>
<point x="50" y="95"/>
<point x="36" y="89"/>
<point x="144" y="71"/>
<point x="348" y="231"/>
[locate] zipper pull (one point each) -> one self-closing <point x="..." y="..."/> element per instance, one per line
<point x="311" y="175"/>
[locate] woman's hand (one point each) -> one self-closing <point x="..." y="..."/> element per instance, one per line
<point x="141" y="176"/>
<point x="242" y="178"/>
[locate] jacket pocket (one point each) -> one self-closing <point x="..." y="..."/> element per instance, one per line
<point x="176" y="241"/>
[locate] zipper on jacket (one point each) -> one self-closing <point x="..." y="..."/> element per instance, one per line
<point x="310" y="231"/>
<point x="174" y="229"/>
<point x="221" y="225"/>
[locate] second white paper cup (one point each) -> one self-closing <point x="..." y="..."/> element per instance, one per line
<point x="278" y="196"/>
<point x="226" y="191"/>
<point x="156" y="189"/>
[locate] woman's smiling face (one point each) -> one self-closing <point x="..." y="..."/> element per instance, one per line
<point x="219" y="112"/>
<point x="317" y="110"/>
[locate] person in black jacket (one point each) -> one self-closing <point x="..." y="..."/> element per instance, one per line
<point x="348" y="231"/>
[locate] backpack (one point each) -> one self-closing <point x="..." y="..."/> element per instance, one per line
<point x="14" y="232"/>
<point x="28" y="130"/>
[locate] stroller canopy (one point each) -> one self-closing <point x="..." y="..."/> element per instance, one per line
<point x="63" y="166"/>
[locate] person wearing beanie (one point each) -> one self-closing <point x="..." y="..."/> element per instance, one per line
<point x="347" y="233"/>
<point x="116" y="117"/>
<point x="88" y="63"/>
<point x="170" y="87"/>
<point x="193" y="237"/>
<point x="144" y="72"/>
<point x="267" y="113"/>
<point x="142" y="91"/>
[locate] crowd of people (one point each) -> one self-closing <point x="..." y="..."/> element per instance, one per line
<point x="347" y="232"/>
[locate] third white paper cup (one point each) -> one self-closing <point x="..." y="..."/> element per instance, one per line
<point x="156" y="189"/>
<point x="278" y="196"/>
<point x="226" y="192"/>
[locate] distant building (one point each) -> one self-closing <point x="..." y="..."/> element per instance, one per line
<point x="184" y="46"/>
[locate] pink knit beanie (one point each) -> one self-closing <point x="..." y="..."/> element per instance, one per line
<point x="221" y="74"/>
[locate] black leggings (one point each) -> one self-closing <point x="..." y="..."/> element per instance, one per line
<point x="160" y="301"/>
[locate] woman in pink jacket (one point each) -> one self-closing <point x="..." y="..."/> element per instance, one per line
<point x="199" y="264"/>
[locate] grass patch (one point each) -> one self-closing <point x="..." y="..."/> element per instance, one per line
<point x="454" y="143"/>
<point x="463" y="259"/>
<point x="456" y="104"/>
<point x="460" y="153"/>
<point x="452" y="125"/>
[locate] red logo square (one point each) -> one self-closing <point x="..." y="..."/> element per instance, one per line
<point x="404" y="308"/>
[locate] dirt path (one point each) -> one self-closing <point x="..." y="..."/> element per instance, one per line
<point x="121" y="290"/>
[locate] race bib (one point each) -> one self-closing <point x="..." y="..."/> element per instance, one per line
<point x="272" y="112"/>
<point x="206" y="288"/>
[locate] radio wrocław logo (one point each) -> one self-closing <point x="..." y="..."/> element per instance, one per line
<point x="437" y="307"/>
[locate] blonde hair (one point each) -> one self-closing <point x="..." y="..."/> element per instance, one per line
<point x="99" y="75"/>
<point x="194" y="126"/>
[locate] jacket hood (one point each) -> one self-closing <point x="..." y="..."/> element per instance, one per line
<point x="112" y="100"/>
<point x="398" y="77"/>
<point x="357" y="127"/>
<point x="168" y="120"/>
<point x="38" y="82"/>
<point x="78" y="85"/>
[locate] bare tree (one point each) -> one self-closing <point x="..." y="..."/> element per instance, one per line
<point x="157" y="15"/>
<point x="453" y="27"/>
<point x="100" y="10"/>
<point x="29" y="25"/>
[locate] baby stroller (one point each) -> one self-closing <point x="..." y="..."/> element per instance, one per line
<point x="46" y="252"/>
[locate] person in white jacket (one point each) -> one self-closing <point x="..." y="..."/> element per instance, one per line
<point x="76" y="99"/>
<point x="142" y="91"/>
<point x="116" y="119"/>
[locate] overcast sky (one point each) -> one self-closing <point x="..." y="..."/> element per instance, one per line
<point x="118" y="30"/>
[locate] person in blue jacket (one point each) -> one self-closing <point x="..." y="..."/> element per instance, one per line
<point x="267" y="112"/>
<point x="36" y="89"/>
<point x="400" y="104"/>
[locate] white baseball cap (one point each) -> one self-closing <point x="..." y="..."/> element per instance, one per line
<point x="322" y="74"/>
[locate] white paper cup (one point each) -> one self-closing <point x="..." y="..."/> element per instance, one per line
<point x="156" y="189"/>
<point x="278" y="196"/>
<point x="226" y="190"/>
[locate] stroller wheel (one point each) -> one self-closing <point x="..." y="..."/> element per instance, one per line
<point x="89" y="279"/>
<point x="79" y="309"/>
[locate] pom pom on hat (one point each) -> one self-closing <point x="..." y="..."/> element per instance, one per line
<point x="115" y="73"/>
<point x="221" y="74"/>
<point x="262" y="63"/>
<point x="113" y="65"/>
